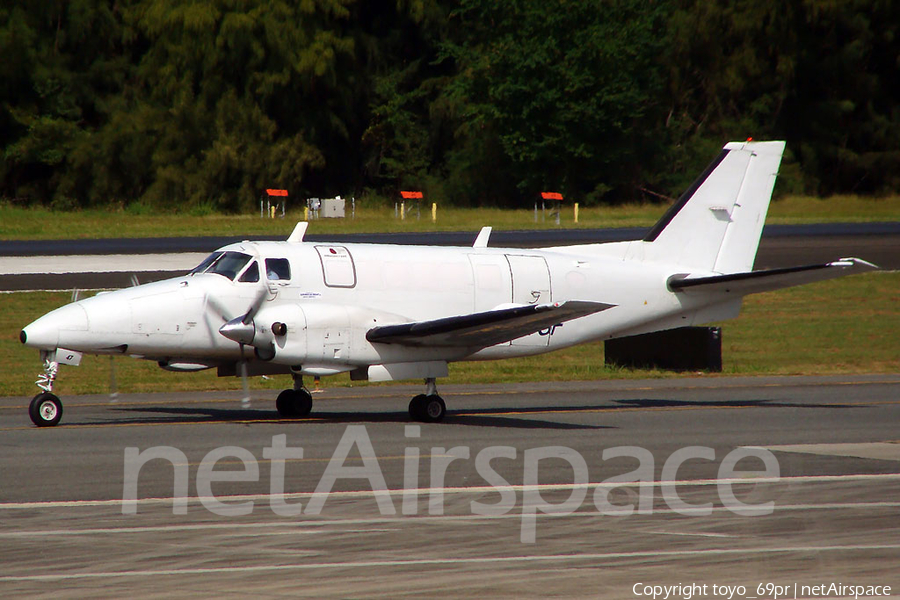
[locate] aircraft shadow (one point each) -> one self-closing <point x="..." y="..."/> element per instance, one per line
<point x="661" y="403"/>
<point x="169" y="414"/>
<point x="505" y="417"/>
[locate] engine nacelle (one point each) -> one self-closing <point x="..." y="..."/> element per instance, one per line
<point x="331" y="337"/>
<point x="280" y="331"/>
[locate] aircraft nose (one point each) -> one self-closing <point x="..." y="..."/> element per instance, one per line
<point x="40" y="334"/>
<point x="44" y="332"/>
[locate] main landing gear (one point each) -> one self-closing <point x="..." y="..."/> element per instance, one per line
<point x="46" y="409"/>
<point x="294" y="403"/>
<point x="428" y="407"/>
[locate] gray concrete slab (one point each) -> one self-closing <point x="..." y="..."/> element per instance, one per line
<point x="67" y="533"/>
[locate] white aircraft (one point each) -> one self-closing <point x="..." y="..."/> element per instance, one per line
<point x="390" y="312"/>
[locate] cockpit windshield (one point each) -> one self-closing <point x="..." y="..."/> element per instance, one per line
<point x="226" y="264"/>
<point x="206" y="262"/>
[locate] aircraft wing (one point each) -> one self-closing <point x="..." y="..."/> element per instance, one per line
<point x="772" y="279"/>
<point x="485" y="328"/>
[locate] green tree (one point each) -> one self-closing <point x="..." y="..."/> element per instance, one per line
<point x="821" y="74"/>
<point x="569" y="90"/>
<point x="63" y="62"/>
<point x="240" y="96"/>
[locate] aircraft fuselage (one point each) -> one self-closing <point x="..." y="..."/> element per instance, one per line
<point x="334" y="294"/>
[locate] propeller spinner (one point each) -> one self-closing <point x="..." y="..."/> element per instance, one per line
<point x="239" y="331"/>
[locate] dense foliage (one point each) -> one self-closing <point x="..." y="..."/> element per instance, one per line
<point x="204" y="103"/>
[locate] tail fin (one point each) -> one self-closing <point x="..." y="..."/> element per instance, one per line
<point x="716" y="224"/>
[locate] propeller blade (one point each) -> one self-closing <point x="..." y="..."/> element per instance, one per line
<point x="256" y="304"/>
<point x="245" y="384"/>
<point x="210" y="302"/>
<point x="113" y="385"/>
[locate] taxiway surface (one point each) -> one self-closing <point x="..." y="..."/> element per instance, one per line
<point x="835" y="495"/>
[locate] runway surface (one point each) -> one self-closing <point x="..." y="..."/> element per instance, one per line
<point x="832" y="478"/>
<point x="111" y="263"/>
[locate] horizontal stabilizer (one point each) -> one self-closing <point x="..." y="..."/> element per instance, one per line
<point x="480" y="330"/>
<point x="752" y="282"/>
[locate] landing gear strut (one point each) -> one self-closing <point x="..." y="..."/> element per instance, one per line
<point x="296" y="402"/>
<point x="46" y="409"/>
<point x="428" y="407"/>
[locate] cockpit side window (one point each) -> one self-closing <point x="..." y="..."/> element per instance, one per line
<point x="230" y="264"/>
<point x="278" y="269"/>
<point x="251" y="275"/>
<point x="206" y="262"/>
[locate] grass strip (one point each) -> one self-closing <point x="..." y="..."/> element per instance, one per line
<point x="41" y="223"/>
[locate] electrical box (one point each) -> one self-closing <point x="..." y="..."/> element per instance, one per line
<point x="682" y="349"/>
<point x="332" y="208"/>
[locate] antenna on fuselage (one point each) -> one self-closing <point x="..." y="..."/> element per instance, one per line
<point x="299" y="231"/>
<point x="484" y="236"/>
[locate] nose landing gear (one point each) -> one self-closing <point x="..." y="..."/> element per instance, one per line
<point x="46" y="409"/>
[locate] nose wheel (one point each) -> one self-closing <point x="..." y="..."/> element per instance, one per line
<point x="45" y="410"/>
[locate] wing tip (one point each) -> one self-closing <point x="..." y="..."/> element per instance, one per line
<point x="858" y="263"/>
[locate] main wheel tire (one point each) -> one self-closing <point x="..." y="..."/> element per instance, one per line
<point x="417" y="408"/>
<point x="45" y="410"/>
<point x="433" y="409"/>
<point x="292" y="404"/>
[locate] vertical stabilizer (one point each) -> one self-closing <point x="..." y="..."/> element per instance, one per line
<point x="716" y="224"/>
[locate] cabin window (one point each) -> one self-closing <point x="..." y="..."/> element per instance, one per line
<point x="251" y="274"/>
<point x="278" y="269"/>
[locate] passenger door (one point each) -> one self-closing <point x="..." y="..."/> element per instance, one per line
<point x="530" y="285"/>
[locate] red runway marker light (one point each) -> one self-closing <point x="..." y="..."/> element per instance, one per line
<point x="410" y="195"/>
<point x="277" y="192"/>
<point x="551" y="196"/>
